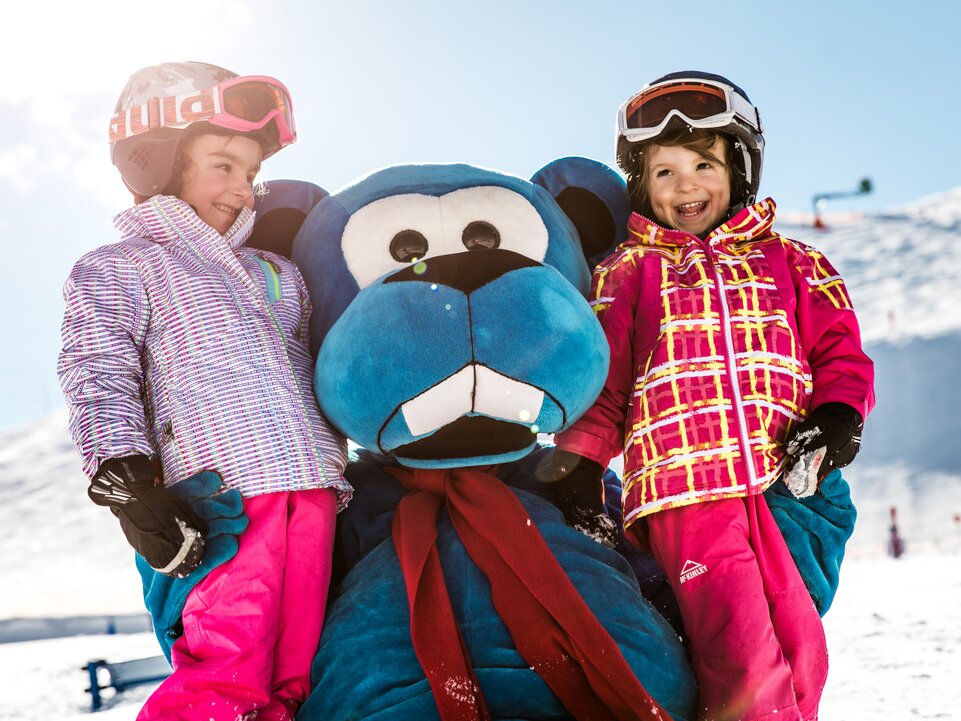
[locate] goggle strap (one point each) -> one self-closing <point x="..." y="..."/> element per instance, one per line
<point x="185" y="108"/>
<point x="169" y="112"/>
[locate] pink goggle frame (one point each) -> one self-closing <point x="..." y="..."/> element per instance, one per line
<point x="244" y="104"/>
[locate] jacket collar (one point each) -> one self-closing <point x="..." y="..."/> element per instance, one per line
<point x="755" y="221"/>
<point x="165" y="218"/>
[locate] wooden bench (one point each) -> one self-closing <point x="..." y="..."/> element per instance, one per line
<point x="122" y="675"/>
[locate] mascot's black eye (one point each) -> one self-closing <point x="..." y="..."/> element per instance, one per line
<point x="408" y="246"/>
<point x="480" y="236"/>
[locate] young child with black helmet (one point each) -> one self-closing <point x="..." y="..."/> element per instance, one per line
<point x="183" y="351"/>
<point x="736" y="362"/>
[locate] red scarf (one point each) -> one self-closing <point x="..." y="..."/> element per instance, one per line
<point x="553" y="628"/>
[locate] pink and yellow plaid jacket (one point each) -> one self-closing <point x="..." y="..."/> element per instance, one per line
<point x="718" y="346"/>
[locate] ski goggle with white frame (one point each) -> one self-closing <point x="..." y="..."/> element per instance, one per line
<point x="243" y="104"/>
<point x="698" y="102"/>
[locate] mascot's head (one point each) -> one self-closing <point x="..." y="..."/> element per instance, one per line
<point x="450" y="324"/>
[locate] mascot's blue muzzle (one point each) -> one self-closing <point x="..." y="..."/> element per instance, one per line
<point x="493" y="348"/>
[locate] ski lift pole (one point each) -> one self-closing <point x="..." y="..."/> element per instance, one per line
<point x="895" y="544"/>
<point x="820" y="200"/>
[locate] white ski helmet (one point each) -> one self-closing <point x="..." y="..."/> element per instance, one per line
<point x="160" y="102"/>
<point x="697" y="100"/>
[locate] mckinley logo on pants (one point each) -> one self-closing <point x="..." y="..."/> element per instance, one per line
<point x="692" y="569"/>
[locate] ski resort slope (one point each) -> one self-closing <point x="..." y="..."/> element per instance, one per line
<point x="894" y="631"/>
<point x="901" y="266"/>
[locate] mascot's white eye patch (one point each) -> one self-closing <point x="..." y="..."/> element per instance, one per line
<point x="390" y="234"/>
<point x="473" y="213"/>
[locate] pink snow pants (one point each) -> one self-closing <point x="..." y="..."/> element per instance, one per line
<point x="251" y="627"/>
<point x="756" y="641"/>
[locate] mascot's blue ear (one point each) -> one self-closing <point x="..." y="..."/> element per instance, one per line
<point x="280" y="213"/>
<point x="594" y="197"/>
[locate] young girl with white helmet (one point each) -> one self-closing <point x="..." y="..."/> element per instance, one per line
<point x="736" y="363"/>
<point x="184" y="350"/>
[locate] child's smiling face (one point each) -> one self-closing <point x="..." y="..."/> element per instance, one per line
<point x="688" y="191"/>
<point x="218" y="181"/>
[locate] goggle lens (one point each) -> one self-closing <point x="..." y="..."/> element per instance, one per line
<point x="697" y="102"/>
<point x="253" y="101"/>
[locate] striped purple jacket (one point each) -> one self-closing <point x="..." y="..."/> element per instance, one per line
<point x="180" y="342"/>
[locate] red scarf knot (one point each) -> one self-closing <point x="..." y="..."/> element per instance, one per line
<point x="431" y="480"/>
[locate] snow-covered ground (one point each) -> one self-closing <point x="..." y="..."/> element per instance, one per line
<point x="894" y="636"/>
<point x="894" y="631"/>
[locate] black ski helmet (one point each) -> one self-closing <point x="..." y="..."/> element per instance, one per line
<point x="641" y="121"/>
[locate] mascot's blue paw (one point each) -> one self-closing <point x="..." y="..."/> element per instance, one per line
<point x="816" y="530"/>
<point x="165" y="596"/>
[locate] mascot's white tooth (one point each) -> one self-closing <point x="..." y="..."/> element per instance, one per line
<point x="501" y="397"/>
<point x="493" y="394"/>
<point x="440" y="405"/>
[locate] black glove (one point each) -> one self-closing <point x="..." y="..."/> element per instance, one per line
<point x="160" y="526"/>
<point x="579" y="490"/>
<point x="827" y="439"/>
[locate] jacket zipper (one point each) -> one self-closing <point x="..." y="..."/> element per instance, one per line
<point x="263" y="303"/>
<point x="729" y="364"/>
<point x="225" y="258"/>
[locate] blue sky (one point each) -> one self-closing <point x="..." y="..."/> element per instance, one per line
<point x="846" y="90"/>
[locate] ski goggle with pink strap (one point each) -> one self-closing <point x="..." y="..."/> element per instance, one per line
<point x="243" y="104"/>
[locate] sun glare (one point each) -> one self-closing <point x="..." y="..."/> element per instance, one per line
<point x="93" y="46"/>
<point x="57" y="104"/>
